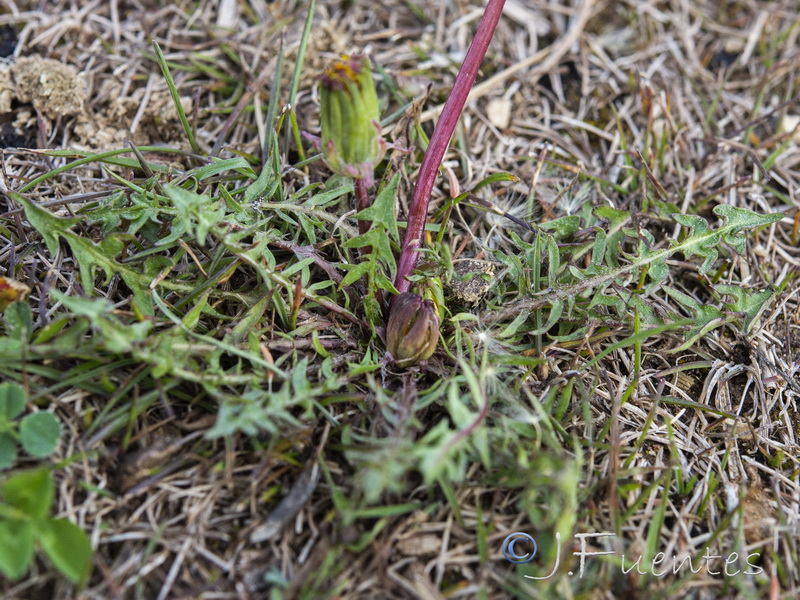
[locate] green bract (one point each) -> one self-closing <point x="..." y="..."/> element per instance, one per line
<point x="413" y="329"/>
<point x="350" y="118"/>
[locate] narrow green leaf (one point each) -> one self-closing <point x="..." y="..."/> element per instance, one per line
<point x="301" y="52"/>
<point x="616" y="219"/>
<point x="386" y="284"/>
<point x="556" y="309"/>
<point x="707" y="317"/>
<point x="512" y="328"/>
<point x="696" y="405"/>
<point x="91" y="308"/>
<point x="272" y="108"/>
<point x="19" y="322"/>
<point x="328" y="196"/>
<point x="192" y="318"/>
<point x="599" y="247"/>
<point x="461" y="415"/>
<point x="265" y="181"/>
<point x="248" y="322"/>
<point x="176" y="99"/>
<point x="494" y="178"/>
<point x="220" y="166"/>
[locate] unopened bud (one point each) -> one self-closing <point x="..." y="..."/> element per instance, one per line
<point x="413" y="329"/>
<point x="350" y="118"/>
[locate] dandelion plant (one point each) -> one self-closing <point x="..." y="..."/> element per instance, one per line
<point x="420" y="326"/>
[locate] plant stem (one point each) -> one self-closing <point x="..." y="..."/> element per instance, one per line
<point x="418" y="210"/>
<point x="362" y="202"/>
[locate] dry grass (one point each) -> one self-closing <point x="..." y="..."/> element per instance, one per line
<point x="636" y="105"/>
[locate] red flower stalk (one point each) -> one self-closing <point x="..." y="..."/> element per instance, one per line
<point x="418" y="209"/>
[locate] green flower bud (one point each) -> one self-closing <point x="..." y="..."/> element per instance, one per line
<point x="350" y="118"/>
<point x="413" y="329"/>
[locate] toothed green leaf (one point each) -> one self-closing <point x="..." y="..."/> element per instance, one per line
<point x="703" y="242"/>
<point x="355" y="273"/>
<point x="198" y="213"/>
<point x="376" y="239"/>
<point x="656" y="260"/>
<point x="45" y="222"/>
<point x="616" y="220"/>
<point x="738" y="219"/>
<point x="382" y="210"/>
<point x="707" y="317"/>
<point x="103" y="255"/>
<point x="748" y="303"/>
<point x="562" y="227"/>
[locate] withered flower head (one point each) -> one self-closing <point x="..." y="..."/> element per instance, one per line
<point x="413" y="329"/>
<point x="350" y="118"/>
<point x="11" y="291"/>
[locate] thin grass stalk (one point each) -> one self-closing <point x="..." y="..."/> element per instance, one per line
<point x="176" y="99"/>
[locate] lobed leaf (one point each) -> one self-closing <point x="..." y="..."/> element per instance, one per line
<point x="45" y="222"/>
<point x="382" y="210"/>
<point x="747" y="303"/>
<point x="707" y="317"/>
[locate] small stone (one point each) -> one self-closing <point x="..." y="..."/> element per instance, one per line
<point x="421" y="545"/>
<point x="471" y="280"/>
<point x="791" y="124"/>
<point x="499" y="112"/>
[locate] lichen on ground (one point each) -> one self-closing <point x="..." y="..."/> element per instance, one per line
<point x="55" y="89"/>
